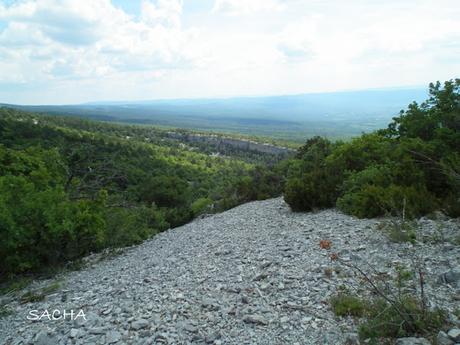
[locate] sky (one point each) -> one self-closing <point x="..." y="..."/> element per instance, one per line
<point x="74" y="51"/>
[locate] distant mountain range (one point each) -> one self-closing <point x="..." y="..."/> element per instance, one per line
<point x="336" y="114"/>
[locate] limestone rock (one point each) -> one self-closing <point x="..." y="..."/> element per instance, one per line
<point x="443" y="339"/>
<point x="454" y="334"/>
<point x="256" y="319"/>
<point x="412" y="341"/>
<point x="140" y="324"/>
<point x="112" y="337"/>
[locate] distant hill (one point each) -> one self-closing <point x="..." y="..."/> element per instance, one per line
<point x="336" y="115"/>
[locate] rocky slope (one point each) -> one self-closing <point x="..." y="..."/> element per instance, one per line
<point x="252" y="275"/>
<point x="221" y="143"/>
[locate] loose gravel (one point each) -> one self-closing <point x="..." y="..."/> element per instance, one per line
<point x="252" y="275"/>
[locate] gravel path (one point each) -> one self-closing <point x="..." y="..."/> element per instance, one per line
<point x="252" y="275"/>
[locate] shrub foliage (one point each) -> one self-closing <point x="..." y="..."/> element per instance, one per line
<point x="412" y="167"/>
<point x="69" y="187"/>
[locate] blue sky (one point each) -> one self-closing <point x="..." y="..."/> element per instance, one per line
<point x="67" y="51"/>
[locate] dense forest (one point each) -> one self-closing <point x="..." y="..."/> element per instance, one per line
<point x="70" y="186"/>
<point x="409" y="169"/>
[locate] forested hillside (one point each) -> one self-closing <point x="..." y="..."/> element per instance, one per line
<point x="70" y="186"/>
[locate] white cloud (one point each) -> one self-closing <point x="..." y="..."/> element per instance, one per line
<point x="70" y="51"/>
<point x="84" y="39"/>
<point x="243" y="7"/>
<point x="166" y="12"/>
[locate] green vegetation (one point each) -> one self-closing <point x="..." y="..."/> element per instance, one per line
<point x="69" y="187"/>
<point x="400" y="231"/>
<point x="392" y="309"/>
<point x="39" y="294"/>
<point x="15" y="285"/>
<point x="404" y="319"/>
<point x="5" y="311"/>
<point x="200" y="206"/>
<point x="389" y="309"/>
<point x="409" y="169"/>
<point x="345" y="304"/>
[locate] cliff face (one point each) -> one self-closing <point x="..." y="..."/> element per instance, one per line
<point x="225" y="142"/>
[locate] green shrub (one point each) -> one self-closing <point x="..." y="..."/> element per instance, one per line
<point x="404" y="319"/>
<point x="360" y="153"/>
<point x="177" y="216"/>
<point x="128" y="226"/>
<point x="42" y="227"/>
<point x="201" y="205"/>
<point x="344" y="304"/>
<point x="297" y="195"/>
<point x="363" y="203"/>
<point x="451" y="204"/>
<point x="410" y="168"/>
<point x="165" y="191"/>
<point x="69" y="187"/>
<point x="369" y="200"/>
<point x="311" y="182"/>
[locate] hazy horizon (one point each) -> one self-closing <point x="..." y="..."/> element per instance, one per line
<point x="423" y="88"/>
<point x="336" y="115"/>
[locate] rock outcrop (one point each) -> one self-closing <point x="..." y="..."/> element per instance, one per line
<point x="222" y="142"/>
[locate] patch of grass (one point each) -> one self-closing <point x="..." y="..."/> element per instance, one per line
<point x="345" y="304"/>
<point x="32" y="296"/>
<point x="403" y="319"/>
<point x="438" y="236"/>
<point x="400" y="231"/>
<point x="49" y="289"/>
<point x="111" y="253"/>
<point x="5" y="311"/>
<point x="403" y="277"/>
<point x="342" y="289"/>
<point x="40" y="294"/>
<point x="15" y="284"/>
<point x="394" y="313"/>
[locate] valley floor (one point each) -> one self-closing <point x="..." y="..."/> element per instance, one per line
<point x="252" y="275"/>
